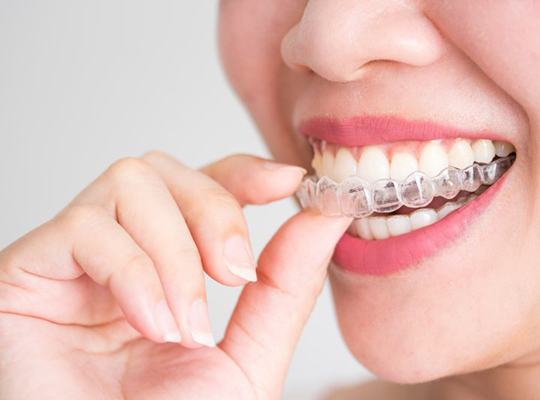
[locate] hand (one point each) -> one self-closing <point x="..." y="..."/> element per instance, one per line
<point x="89" y="300"/>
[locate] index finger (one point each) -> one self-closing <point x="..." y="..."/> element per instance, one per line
<point x="255" y="180"/>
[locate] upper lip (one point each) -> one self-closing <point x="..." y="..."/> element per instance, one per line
<point x="371" y="130"/>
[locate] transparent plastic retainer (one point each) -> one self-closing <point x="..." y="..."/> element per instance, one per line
<point x="354" y="197"/>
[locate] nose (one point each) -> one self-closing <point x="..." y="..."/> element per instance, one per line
<point x="336" y="39"/>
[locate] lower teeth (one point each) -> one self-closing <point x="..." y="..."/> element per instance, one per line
<point x="358" y="199"/>
<point x="382" y="227"/>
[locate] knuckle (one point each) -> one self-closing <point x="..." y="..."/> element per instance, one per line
<point x="237" y="157"/>
<point x="155" y="154"/>
<point x="139" y="260"/>
<point x="133" y="263"/>
<point x="218" y="206"/>
<point x="227" y="159"/>
<point x="128" y="168"/>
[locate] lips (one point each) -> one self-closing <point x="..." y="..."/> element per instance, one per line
<point x="357" y="250"/>
<point x="370" y="130"/>
<point x="384" y="257"/>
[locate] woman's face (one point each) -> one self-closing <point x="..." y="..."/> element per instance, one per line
<point x="462" y="294"/>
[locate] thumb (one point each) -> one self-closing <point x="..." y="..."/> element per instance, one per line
<point x="271" y="313"/>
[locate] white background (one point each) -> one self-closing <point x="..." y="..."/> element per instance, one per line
<point x="83" y="83"/>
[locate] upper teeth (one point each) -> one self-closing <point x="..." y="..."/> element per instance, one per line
<point x="397" y="161"/>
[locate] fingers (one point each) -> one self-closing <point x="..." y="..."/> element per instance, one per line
<point x="214" y="216"/>
<point x="111" y="258"/>
<point x="147" y="229"/>
<point x="49" y="265"/>
<point x="271" y="313"/>
<point x="147" y="211"/>
<point x="254" y="180"/>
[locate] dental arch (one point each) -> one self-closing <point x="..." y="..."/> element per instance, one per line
<point x="361" y="195"/>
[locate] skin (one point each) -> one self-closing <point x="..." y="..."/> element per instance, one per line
<point x="468" y="316"/>
<point x="78" y="295"/>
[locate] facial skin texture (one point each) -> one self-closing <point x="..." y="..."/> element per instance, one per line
<point x="475" y="305"/>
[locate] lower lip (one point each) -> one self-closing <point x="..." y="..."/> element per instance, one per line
<point x="385" y="257"/>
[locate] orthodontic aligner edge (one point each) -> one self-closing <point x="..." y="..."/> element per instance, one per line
<point x="355" y="197"/>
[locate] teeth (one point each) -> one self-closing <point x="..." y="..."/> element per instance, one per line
<point x="381" y="227"/>
<point x="461" y="154"/>
<point x="403" y="164"/>
<point x="423" y="217"/>
<point x="447" y="209"/>
<point x="373" y="164"/>
<point x="362" y="228"/>
<point x="399" y="225"/>
<point x="316" y="163"/>
<point x="502" y="149"/>
<point x="327" y="163"/>
<point x="344" y="165"/>
<point x="433" y="159"/>
<point x="484" y="150"/>
<point x="373" y="186"/>
<point x="378" y="227"/>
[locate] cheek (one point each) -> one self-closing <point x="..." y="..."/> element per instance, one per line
<point x="501" y="37"/>
<point x="250" y="35"/>
<point x="238" y="51"/>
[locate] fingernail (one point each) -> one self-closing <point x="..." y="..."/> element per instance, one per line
<point x="239" y="259"/>
<point x="274" y="166"/>
<point x="200" y="324"/>
<point x="166" y="323"/>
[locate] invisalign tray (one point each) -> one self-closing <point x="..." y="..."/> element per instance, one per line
<point x="354" y="197"/>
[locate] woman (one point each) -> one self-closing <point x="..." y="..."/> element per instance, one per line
<point x="107" y="299"/>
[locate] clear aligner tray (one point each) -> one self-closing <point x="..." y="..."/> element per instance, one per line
<point x="354" y="197"/>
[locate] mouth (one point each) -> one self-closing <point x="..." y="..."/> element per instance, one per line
<point x="411" y="187"/>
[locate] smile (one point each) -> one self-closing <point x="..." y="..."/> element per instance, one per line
<point x="408" y="197"/>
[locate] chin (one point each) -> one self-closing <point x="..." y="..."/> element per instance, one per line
<point x="392" y="340"/>
<point x="411" y="328"/>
